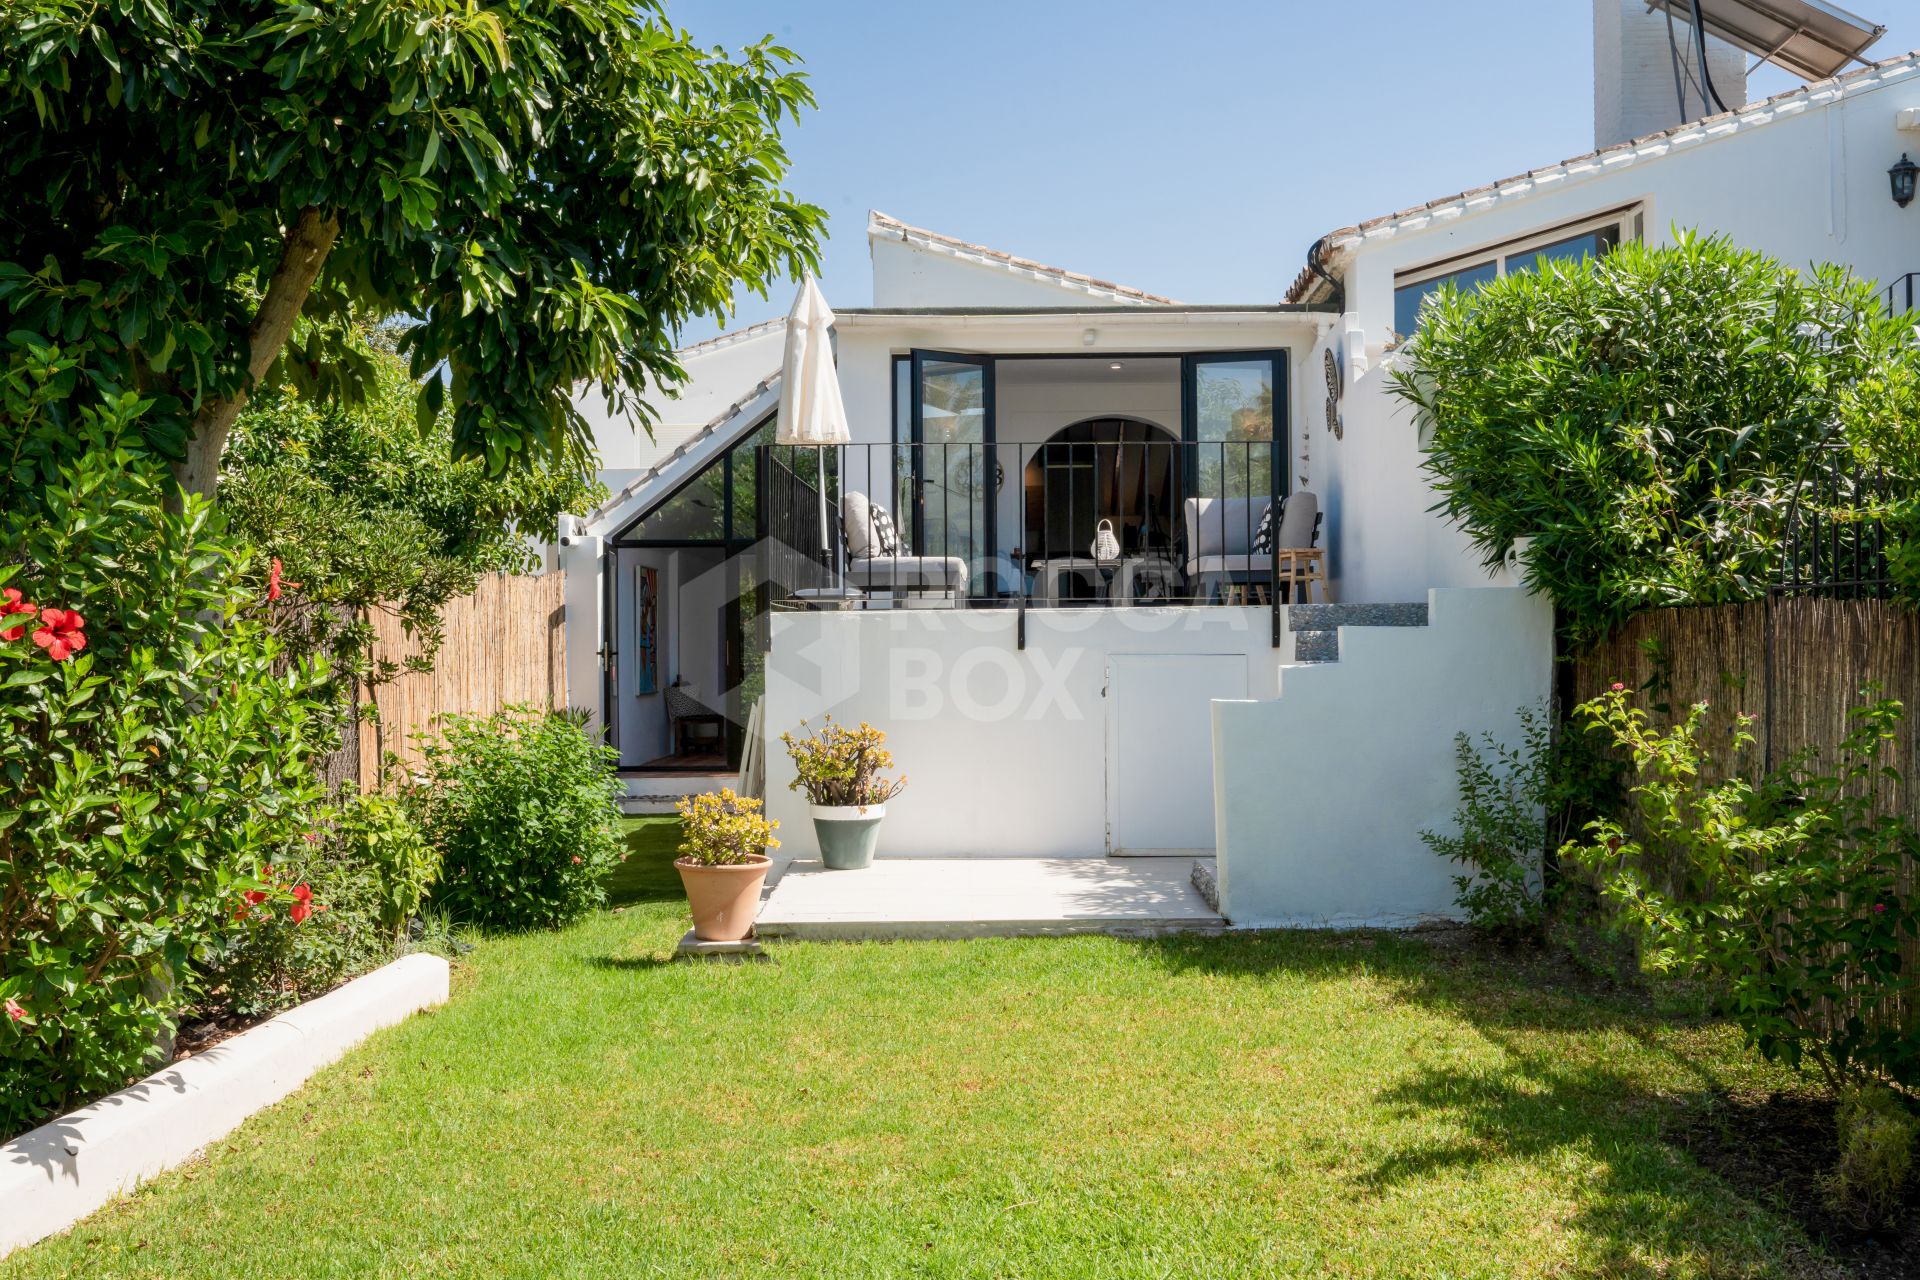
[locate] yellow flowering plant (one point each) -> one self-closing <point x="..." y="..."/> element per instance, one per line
<point x="724" y="830"/>
<point x="842" y="766"/>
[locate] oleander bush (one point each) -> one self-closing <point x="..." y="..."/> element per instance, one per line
<point x="1788" y="893"/>
<point x="156" y="749"/>
<point x="357" y="877"/>
<point x="522" y="807"/>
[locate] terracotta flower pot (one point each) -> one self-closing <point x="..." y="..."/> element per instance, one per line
<point x="724" y="899"/>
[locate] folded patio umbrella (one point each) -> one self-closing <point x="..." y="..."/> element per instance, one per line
<point x="811" y="411"/>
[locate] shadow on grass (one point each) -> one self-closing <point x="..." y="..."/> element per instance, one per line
<point x="1556" y="1091"/>
<point x="1644" y="1204"/>
<point x="647" y="875"/>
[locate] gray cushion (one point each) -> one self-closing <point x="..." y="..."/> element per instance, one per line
<point x="856" y="521"/>
<point x="1226" y="526"/>
<point x="908" y="573"/>
<point x="1296" y="522"/>
<point x="1217" y="526"/>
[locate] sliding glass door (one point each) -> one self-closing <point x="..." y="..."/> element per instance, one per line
<point x="1235" y="412"/>
<point x="953" y="476"/>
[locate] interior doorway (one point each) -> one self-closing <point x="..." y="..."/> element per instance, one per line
<point x="1113" y="468"/>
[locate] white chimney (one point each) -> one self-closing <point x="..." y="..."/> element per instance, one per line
<point x="1633" y="69"/>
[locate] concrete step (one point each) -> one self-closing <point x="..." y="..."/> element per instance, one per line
<point x="1206" y="882"/>
<point x="1316" y="627"/>
<point x="1326" y="617"/>
<point x="1316" y="646"/>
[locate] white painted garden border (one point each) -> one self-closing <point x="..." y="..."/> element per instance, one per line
<point x="55" y="1175"/>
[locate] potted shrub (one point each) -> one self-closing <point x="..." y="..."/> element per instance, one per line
<point x="842" y="772"/>
<point x="723" y="863"/>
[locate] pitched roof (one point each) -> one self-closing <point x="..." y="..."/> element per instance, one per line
<point x="880" y="226"/>
<point x="731" y="337"/>
<point x="1648" y="146"/>
<point x="741" y="415"/>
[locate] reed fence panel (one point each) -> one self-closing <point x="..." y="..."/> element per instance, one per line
<point x="505" y="643"/>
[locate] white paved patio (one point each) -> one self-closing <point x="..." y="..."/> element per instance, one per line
<point x="986" y="897"/>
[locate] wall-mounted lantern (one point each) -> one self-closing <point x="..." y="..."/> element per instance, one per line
<point x="1902" y="175"/>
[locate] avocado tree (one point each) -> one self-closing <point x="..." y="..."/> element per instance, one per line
<point x="202" y="194"/>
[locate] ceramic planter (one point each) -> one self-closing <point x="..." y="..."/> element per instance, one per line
<point x="724" y="900"/>
<point x="848" y="834"/>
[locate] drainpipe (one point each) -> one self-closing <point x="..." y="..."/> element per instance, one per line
<point x="1316" y="256"/>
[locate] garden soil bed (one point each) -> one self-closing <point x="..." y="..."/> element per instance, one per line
<point x="1775" y="1147"/>
<point x="201" y="1034"/>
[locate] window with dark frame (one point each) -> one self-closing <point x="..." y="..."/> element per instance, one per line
<point x="1571" y="242"/>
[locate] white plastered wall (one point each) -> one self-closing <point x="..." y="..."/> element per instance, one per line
<point x="1322" y="791"/>
<point x="718" y="372"/>
<point x="1005" y="748"/>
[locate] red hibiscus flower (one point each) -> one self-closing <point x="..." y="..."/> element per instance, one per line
<point x="273" y="580"/>
<point x="15" y="1010"/>
<point x="59" y="633"/>
<point x="10" y="604"/>
<point x="302" y="903"/>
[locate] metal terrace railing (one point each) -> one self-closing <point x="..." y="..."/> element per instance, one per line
<point x="1903" y="295"/>
<point x="1141" y="519"/>
<point x="1834" y="543"/>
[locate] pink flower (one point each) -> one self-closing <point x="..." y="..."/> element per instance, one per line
<point x="576" y="859"/>
<point x="1617" y="687"/>
<point x="15" y="1010"/>
<point x="10" y="604"/>
<point x="1879" y="907"/>
<point x="60" y="633"/>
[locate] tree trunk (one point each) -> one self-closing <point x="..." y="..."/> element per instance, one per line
<point x="308" y="242"/>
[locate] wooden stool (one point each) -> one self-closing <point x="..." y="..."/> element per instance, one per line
<point x="1298" y="569"/>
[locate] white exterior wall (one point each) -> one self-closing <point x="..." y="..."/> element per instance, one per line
<point x="1809" y="187"/>
<point x="717" y="373"/>
<point x="581" y="561"/>
<point x="1005" y="749"/>
<point x="1321" y="792"/>
<point x="907" y="275"/>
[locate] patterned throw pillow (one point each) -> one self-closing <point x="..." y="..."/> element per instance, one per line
<point x="1269" y="521"/>
<point x="886" y="539"/>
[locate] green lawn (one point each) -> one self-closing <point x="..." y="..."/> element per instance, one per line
<point x="1278" y="1105"/>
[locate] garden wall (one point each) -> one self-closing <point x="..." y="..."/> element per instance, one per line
<point x="1797" y="665"/>
<point x="505" y="643"/>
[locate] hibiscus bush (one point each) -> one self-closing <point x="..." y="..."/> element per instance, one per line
<point x="355" y="879"/>
<point x="522" y="806"/>
<point x="156" y="746"/>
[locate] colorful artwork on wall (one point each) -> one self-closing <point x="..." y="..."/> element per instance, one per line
<point x="646" y="612"/>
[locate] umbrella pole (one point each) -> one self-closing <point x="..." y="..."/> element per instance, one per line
<point x="826" y="540"/>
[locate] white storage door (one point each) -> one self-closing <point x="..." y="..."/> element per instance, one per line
<point x="1160" y="749"/>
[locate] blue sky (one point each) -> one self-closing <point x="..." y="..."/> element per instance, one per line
<point x="1194" y="149"/>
